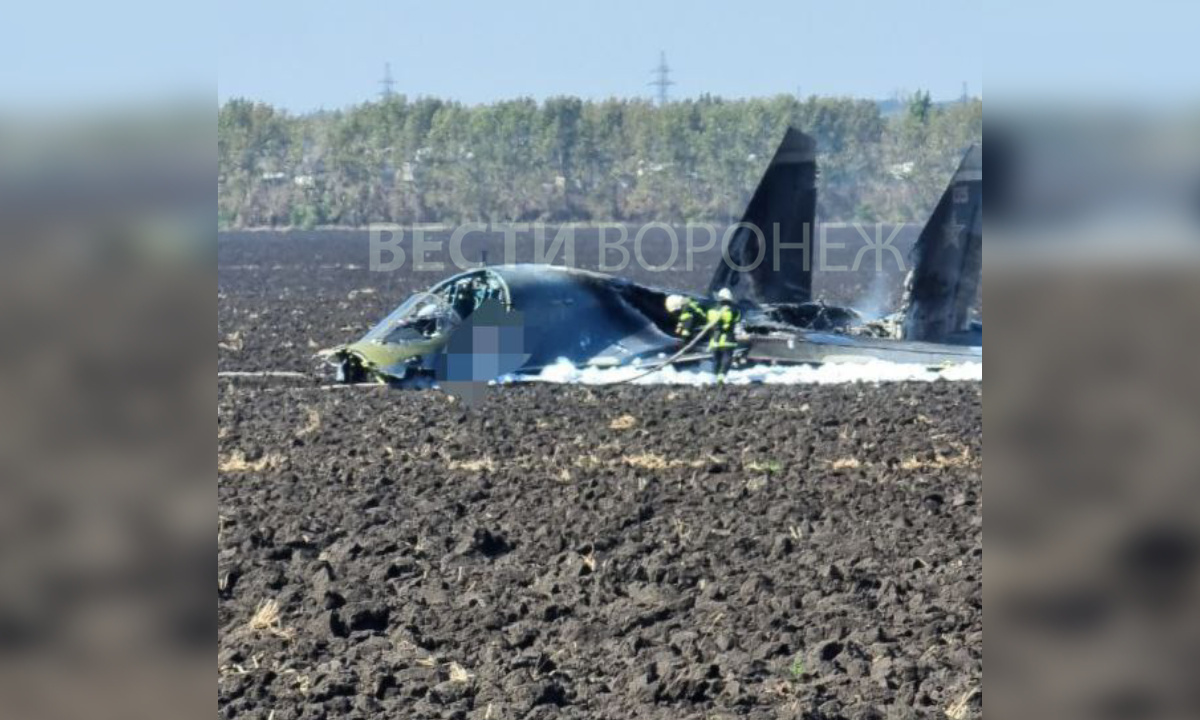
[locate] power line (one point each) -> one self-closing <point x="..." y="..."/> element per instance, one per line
<point x="662" y="79"/>
<point x="387" y="84"/>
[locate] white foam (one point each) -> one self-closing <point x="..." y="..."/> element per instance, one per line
<point x="873" y="371"/>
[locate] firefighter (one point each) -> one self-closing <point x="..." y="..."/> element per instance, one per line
<point x="691" y="315"/>
<point x="724" y="319"/>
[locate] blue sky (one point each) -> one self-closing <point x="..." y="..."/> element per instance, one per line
<point x="304" y="55"/>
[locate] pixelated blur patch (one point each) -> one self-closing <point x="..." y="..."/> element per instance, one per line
<point x="489" y="344"/>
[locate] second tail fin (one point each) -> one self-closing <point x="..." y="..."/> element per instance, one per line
<point x="948" y="261"/>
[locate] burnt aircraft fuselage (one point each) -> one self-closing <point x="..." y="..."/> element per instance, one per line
<point x="535" y="315"/>
<point x="496" y="321"/>
<point x="542" y="313"/>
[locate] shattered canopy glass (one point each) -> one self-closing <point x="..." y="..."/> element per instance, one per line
<point x="418" y="318"/>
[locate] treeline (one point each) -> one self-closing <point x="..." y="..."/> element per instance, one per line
<point x="432" y="161"/>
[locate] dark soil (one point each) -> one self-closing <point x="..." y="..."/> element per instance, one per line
<point x="800" y="552"/>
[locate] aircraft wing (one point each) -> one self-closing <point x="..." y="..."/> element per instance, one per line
<point x="821" y="348"/>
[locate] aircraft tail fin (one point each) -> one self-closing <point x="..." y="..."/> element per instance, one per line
<point x="948" y="260"/>
<point x="783" y="209"/>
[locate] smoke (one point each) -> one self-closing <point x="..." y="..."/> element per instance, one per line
<point x="876" y="302"/>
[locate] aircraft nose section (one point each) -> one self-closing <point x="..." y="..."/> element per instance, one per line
<point x="351" y="370"/>
<point x="368" y="360"/>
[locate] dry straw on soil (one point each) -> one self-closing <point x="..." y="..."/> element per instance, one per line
<point x="267" y="620"/>
<point x="236" y="462"/>
<point x="625" y="422"/>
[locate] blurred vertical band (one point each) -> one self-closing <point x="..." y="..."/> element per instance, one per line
<point x="107" y="268"/>
<point x="1092" y="567"/>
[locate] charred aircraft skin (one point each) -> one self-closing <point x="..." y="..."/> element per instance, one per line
<point x="576" y="315"/>
<point x="540" y="314"/>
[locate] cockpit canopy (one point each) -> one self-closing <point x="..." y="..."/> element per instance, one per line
<point x="433" y="314"/>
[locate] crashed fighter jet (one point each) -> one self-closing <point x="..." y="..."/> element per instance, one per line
<point x="517" y="319"/>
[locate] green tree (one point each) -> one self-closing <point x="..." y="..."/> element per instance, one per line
<point x="428" y="160"/>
